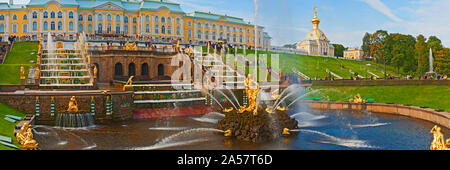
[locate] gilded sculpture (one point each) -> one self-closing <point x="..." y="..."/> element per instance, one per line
<point x="251" y="94"/>
<point x="438" y="140"/>
<point x="22" y="72"/>
<point x="72" y="105"/>
<point x="129" y="83"/>
<point x="25" y="138"/>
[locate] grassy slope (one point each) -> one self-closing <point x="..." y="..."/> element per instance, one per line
<point x="6" y="127"/>
<point x="431" y="96"/>
<point x="22" y="53"/>
<point x="313" y="65"/>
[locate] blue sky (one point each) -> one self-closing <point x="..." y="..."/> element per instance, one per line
<point x="343" y="21"/>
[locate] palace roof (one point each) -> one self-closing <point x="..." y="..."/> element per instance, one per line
<point x="217" y="17"/>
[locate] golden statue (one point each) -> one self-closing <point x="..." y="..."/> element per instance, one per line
<point x="357" y="99"/>
<point x="228" y="110"/>
<point x="251" y="95"/>
<point x="438" y="140"/>
<point x="129" y="83"/>
<point x="22" y="72"/>
<point x="25" y="138"/>
<point x="38" y="72"/>
<point x="72" y="105"/>
<point x="286" y="131"/>
<point x="89" y="59"/>
<point x="95" y="72"/>
<point x="227" y="133"/>
<point x="129" y="46"/>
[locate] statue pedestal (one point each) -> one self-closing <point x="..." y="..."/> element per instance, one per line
<point x="22" y="84"/>
<point x="95" y="85"/>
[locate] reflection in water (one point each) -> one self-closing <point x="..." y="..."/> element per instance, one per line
<point x="325" y="131"/>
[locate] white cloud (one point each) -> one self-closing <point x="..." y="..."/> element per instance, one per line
<point x="381" y="7"/>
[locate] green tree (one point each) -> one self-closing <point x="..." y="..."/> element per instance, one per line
<point x="366" y="45"/>
<point x="422" y="55"/>
<point x="339" y="50"/>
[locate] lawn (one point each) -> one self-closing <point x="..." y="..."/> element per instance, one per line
<point x="6" y="127"/>
<point x="314" y="65"/>
<point x="21" y="53"/>
<point x="432" y="96"/>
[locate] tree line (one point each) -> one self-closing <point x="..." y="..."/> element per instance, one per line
<point x="407" y="53"/>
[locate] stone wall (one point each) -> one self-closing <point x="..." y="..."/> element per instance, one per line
<point x="438" y="117"/>
<point x="26" y="102"/>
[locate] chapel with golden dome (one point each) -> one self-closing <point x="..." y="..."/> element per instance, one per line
<point x="316" y="42"/>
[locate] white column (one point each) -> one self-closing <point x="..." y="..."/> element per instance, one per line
<point x="95" y="22"/>
<point x="85" y="17"/>
<point x="104" y="22"/>
<point x="76" y="21"/>
<point x="7" y="24"/>
<point x="121" y="22"/>
<point x="41" y="16"/>
<point x="29" y="18"/>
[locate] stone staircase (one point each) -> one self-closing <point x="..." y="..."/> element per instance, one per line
<point x="64" y="68"/>
<point x="165" y="95"/>
<point x="224" y="73"/>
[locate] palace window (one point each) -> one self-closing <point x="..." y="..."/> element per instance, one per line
<point x="24" y="17"/>
<point x="199" y="34"/>
<point x="163" y="20"/>
<point x="108" y="17"/>
<point x="234" y="37"/>
<point x="70" y="26"/>
<point x="228" y="28"/>
<point x="45" y="26"/>
<point x="14" y="29"/>
<point x="34" y="26"/>
<point x="100" y="17"/>
<point x="125" y="29"/>
<point x="109" y="28"/>
<point x="125" y="19"/>
<point x="206" y="35"/>
<point x="163" y="29"/>
<point x="2" y="28"/>
<point x="25" y="28"/>
<point x="117" y="17"/>
<point x="52" y="26"/>
<point x="60" y="26"/>
<point x="80" y="27"/>
<point x="90" y="28"/>
<point x="199" y="25"/>
<point x="134" y="29"/>
<point x="156" y="29"/>
<point x="214" y="26"/>
<point x="2" y="17"/>
<point x="189" y="23"/>
<point x="70" y="14"/>
<point x="134" y="20"/>
<point x="89" y="17"/>
<point x="206" y="26"/>
<point x="46" y="14"/>
<point x="52" y="15"/>
<point x="156" y="19"/>
<point x="240" y="38"/>
<point x="214" y="36"/>
<point x="100" y="28"/>
<point x="80" y="18"/>
<point x="178" y="31"/>
<point x="147" y="18"/>
<point x="169" y="20"/>
<point x="221" y="36"/>
<point x="147" y="28"/>
<point x="117" y="29"/>
<point x="221" y="27"/>
<point x="178" y="21"/>
<point x="169" y="30"/>
<point x="228" y="37"/>
<point x="15" y="17"/>
<point x="190" y="33"/>
<point x="59" y="14"/>
<point x="35" y="15"/>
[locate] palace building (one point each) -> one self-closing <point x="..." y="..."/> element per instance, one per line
<point x="155" y="19"/>
<point x="354" y="53"/>
<point x="316" y="42"/>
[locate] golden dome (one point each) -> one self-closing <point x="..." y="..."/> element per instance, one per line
<point x="315" y="20"/>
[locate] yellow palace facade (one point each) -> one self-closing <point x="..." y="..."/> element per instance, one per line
<point x="156" y="19"/>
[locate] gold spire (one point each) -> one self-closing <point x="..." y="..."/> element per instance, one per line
<point x="315" y="20"/>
